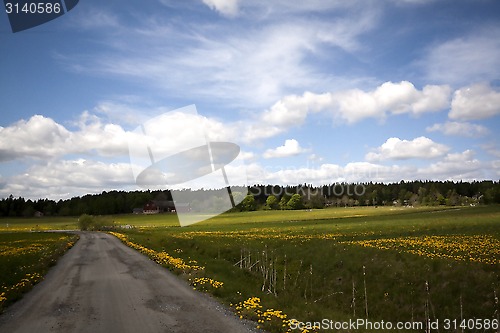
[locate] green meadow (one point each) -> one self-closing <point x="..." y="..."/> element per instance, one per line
<point x="387" y="263"/>
<point x="391" y="264"/>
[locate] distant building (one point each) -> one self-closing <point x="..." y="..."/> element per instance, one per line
<point x="38" y="214"/>
<point x="163" y="206"/>
<point x="150" y="208"/>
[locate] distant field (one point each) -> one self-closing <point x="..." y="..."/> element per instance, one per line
<point x="170" y="220"/>
<point x="16" y="224"/>
<point x="415" y="264"/>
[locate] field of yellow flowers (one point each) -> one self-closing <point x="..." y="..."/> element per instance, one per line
<point x="25" y="258"/>
<point x="393" y="267"/>
<point x="474" y="248"/>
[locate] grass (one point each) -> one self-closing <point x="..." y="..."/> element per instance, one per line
<point x="25" y="258"/>
<point x="415" y="264"/>
<point x="17" y="224"/>
<point x="243" y="218"/>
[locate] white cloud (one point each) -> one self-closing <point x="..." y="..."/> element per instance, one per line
<point x="455" y="166"/>
<point x="495" y="166"/>
<point x="328" y="173"/>
<point x="477" y="101"/>
<point x="290" y="148"/>
<point x="225" y="7"/>
<point x="392" y="98"/>
<point x="397" y="149"/>
<point x="467" y="59"/>
<point x="247" y="155"/>
<point x="459" y="129"/>
<point x="292" y="110"/>
<point x="39" y="137"/>
<point x="252" y="131"/>
<point x="127" y="110"/>
<point x="355" y="104"/>
<point x="43" y="138"/>
<point x="243" y="67"/>
<point x="315" y="158"/>
<point x="324" y="174"/>
<point x="67" y="178"/>
<point x="88" y="18"/>
<point x="492" y="148"/>
<point x="371" y="172"/>
<point x="94" y="136"/>
<point x="277" y="7"/>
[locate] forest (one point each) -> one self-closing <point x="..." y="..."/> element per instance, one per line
<point x="257" y="197"/>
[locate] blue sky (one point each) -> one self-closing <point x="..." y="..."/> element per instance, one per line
<point x="313" y="92"/>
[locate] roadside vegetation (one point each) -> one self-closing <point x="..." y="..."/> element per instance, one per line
<point x="24" y="260"/>
<point x="382" y="264"/>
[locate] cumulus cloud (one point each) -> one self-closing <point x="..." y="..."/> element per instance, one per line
<point x="224" y="7"/>
<point x="452" y="166"/>
<point x="67" y="178"/>
<point x="324" y="174"/>
<point x="397" y="149"/>
<point x="42" y="137"/>
<point x="455" y="166"/>
<point x="477" y="101"/>
<point x="355" y="104"/>
<point x="293" y="110"/>
<point x="290" y="148"/>
<point x="328" y="173"/>
<point x="459" y="129"/>
<point x="38" y="137"/>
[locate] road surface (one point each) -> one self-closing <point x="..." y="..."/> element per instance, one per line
<point x="101" y="285"/>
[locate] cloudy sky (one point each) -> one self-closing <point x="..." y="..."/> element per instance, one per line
<point x="312" y="91"/>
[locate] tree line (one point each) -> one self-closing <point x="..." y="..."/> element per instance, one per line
<point x="302" y="196"/>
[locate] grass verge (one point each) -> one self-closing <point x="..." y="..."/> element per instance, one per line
<point x="24" y="260"/>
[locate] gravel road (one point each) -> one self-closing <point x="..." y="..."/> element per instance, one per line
<point x="101" y="285"/>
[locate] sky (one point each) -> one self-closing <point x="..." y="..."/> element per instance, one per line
<point x="314" y="92"/>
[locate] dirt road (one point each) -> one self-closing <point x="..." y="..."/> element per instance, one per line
<point x="101" y="285"/>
